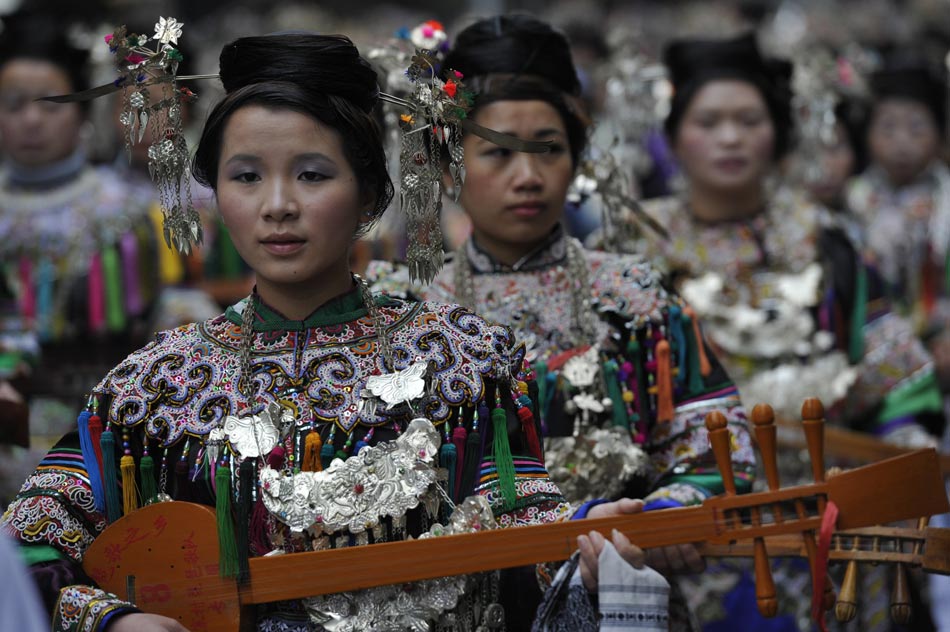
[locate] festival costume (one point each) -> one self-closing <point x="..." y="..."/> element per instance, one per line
<point x="625" y="379"/>
<point x="167" y="403"/>
<point x="907" y="233"/>
<point x="80" y="276"/>
<point x="793" y="312"/>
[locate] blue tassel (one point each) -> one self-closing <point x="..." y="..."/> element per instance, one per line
<point x="111" y="478"/>
<point x="326" y="454"/>
<point x="91" y="462"/>
<point x="359" y="446"/>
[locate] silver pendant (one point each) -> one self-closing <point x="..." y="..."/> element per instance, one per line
<point x="581" y="370"/>
<point x="353" y="495"/>
<point x="396" y="388"/>
<point x="251" y="436"/>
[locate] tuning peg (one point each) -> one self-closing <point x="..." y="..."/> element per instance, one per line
<point x="813" y="422"/>
<point x="763" y="422"/>
<point x="765" y="597"/>
<point x="719" y="440"/>
<point x="847" y="605"/>
<point x="900" y="596"/>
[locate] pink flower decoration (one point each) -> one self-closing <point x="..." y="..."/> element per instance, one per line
<point x="135" y="58"/>
<point x="108" y="38"/>
<point x="427" y="31"/>
<point x="458" y="75"/>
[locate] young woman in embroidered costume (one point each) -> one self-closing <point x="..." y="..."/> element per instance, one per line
<point x="903" y="198"/>
<point x="625" y="379"/>
<point x="784" y="295"/>
<point x="309" y="374"/>
<point x="79" y="252"/>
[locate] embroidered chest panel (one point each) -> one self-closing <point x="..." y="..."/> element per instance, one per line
<point x="186" y="382"/>
<point x="781" y="239"/>
<point x="537" y="304"/>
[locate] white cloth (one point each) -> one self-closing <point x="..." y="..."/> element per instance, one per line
<point x="630" y="598"/>
<point x="20" y="605"/>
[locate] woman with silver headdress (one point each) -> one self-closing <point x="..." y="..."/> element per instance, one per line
<point x="624" y="375"/>
<point x="315" y="407"/>
<point x="783" y="293"/>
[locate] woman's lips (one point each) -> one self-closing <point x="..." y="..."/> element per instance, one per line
<point x="527" y="210"/>
<point x="731" y="164"/>
<point x="282" y="246"/>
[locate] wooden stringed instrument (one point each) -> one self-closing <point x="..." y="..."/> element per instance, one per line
<point x="164" y="557"/>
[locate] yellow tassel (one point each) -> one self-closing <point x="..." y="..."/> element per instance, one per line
<point x="311" y="453"/>
<point x="171" y="270"/>
<point x="130" y="501"/>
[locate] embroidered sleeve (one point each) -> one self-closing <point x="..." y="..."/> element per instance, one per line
<point x="87" y="609"/>
<point x="512" y="475"/>
<point x="896" y="380"/>
<point x="685" y="469"/>
<point x="55" y="505"/>
<point x="55" y="508"/>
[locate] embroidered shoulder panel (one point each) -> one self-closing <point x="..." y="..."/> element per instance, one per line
<point x="186" y="382"/>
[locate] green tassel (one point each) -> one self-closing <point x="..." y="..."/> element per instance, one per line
<point x="110" y="477"/>
<point x="504" y="462"/>
<point x="695" y="384"/>
<point x="149" y="485"/>
<point x="448" y="457"/>
<point x="340" y="454"/>
<point x="247" y="475"/>
<point x="227" y="545"/>
<point x="112" y="275"/>
<point x="541" y="373"/>
<point x="858" y="315"/>
<point x="615" y="394"/>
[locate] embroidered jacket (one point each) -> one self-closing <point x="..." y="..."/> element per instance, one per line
<point x="638" y="422"/>
<point x="907" y="235"/>
<point x="794" y="312"/>
<point x="167" y="398"/>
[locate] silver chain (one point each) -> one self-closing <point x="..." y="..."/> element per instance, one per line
<point x="582" y="327"/>
<point x="247" y="342"/>
<point x="382" y="332"/>
<point x="247" y="336"/>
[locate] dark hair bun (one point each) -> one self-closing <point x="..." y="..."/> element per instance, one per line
<point x="36" y="36"/>
<point x="907" y="74"/>
<point x="689" y="59"/>
<point x="518" y="45"/>
<point x="328" y="64"/>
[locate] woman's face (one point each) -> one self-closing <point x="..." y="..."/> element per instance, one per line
<point x="726" y="139"/>
<point x="288" y="195"/>
<point x="903" y="138"/>
<point x="837" y="162"/>
<point x="36" y="133"/>
<point x="515" y="199"/>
